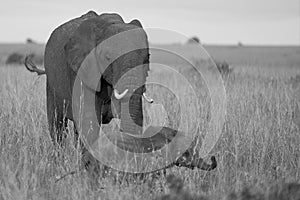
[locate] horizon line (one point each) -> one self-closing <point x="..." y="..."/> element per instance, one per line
<point x="241" y="44"/>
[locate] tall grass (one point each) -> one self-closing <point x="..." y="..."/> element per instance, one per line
<point x="259" y="145"/>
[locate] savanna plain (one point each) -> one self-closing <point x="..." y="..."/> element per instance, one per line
<point x="259" y="146"/>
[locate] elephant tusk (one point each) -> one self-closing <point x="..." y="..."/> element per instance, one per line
<point x="120" y="96"/>
<point x="149" y="100"/>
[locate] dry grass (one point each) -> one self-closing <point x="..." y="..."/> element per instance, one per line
<point x="281" y="191"/>
<point x="259" y="145"/>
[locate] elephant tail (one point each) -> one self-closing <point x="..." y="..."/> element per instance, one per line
<point x="30" y="66"/>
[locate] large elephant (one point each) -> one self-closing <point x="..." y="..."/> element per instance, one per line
<point x="76" y="56"/>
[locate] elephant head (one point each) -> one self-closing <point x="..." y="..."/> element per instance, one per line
<point x="112" y="59"/>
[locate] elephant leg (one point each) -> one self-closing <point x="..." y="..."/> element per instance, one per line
<point x="104" y="103"/>
<point x="56" y="121"/>
<point x="95" y="169"/>
<point x="77" y="142"/>
<point x="107" y="114"/>
<point x="89" y="163"/>
<point x="91" y="122"/>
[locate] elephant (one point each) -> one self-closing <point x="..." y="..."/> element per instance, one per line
<point x="76" y="55"/>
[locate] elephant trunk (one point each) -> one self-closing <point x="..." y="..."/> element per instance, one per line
<point x="132" y="115"/>
<point x="131" y="105"/>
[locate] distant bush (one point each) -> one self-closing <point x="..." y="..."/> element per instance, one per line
<point x="193" y="40"/>
<point x="15" y="58"/>
<point x="30" y="41"/>
<point x="294" y="81"/>
<point x="240" y="44"/>
<point x="224" y="68"/>
<point x="18" y="59"/>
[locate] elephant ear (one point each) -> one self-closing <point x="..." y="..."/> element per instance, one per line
<point x="74" y="52"/>
<point x="136" y="23"/>
<point x="90" y="51"/>
<point x="82" y="54"/>
<point x="80" y="59"/>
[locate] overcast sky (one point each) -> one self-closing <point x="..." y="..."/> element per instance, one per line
<point x="213" y="21"/>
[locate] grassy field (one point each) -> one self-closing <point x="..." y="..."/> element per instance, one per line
<point x="259" y="146"/>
